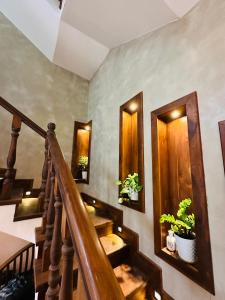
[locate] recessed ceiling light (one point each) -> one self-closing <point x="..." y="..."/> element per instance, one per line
<point x="175" y="114"/>
<point x="133" y="106"/>
<point x="87" y="127"/>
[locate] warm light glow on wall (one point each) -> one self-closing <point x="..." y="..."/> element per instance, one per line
<point x="133" y="106"/>
<point x="175" y="114"/>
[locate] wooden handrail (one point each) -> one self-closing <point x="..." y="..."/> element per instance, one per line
<point x="11" y="109"/>
<point x="97" y="274"/>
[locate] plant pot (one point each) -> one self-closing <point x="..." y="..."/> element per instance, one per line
<point x="84" y="175"/>
<point x="133" y="196"/>
<point x="186" y="249"/>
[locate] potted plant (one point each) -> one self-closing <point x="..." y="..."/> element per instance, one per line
<point x="183" y="227"/>
<point x="83" y="164"/>
<point x="130" y="187"/>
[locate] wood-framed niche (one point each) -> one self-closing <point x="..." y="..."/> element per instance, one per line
<point x="178" y="173"/>
<point x="222" y="139"/>
<point x="81" y="147"/>
<point x="131" y="147"/>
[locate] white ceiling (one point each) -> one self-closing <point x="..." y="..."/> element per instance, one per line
<point x="115" y="22"/>
<point x="79" y="37"/>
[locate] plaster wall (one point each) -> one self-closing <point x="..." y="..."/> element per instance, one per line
<point x="180" y="58"/>
<point x="43" y="92"/>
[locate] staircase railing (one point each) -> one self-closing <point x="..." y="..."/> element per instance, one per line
<point x="18" y="119"/>
<point x="21" y="262"/>
<point x="96" y="279"/>
<point x="69" y="235"/>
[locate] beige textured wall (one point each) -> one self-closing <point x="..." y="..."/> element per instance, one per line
<point x="182" y="57"/>
<point x="43" y="92"/>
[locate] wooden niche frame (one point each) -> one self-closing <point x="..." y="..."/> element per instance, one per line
<point x="131" y="146"/>
<point x="222" y="139"/>
<point x="78" y="150"/>
<point x="185" y="146"/>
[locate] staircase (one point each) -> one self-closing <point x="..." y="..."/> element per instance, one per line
<point x="84" y="250"/>
<point x="134" y="272"/>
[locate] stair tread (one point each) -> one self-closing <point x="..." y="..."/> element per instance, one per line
<point x="16" y="197"/>
<point x="99" y="221"/>
<point x="28" y="208"/>
<point x="41" y="278"/>
<point x="112" y="243"/>
<point x="130" y="279"/>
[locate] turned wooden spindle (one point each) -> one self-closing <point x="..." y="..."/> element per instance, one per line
<point x="66" y="290"/>
<point x="55" y="252"/>
<point x="41" y="197"/>
<point x="47" y="195"/>
<point x="51" y="129"/>
<point x="11" y="159"/>
<point x="49" y="225"/>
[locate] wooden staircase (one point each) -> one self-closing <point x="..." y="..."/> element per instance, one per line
<point x="84" y="250"/>
<point x="134" y="283"/>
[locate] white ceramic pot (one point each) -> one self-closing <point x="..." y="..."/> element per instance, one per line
<point x="133" y="196"/>
<point x="186" y="249"/>
<point x="84" y="175"/>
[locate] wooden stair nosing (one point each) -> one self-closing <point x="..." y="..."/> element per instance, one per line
<point x="31" y="216"/>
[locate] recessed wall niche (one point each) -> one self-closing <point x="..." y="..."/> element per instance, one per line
<point x="178" y="173"/>
<point x="81" y="151"/>
<point x="131" y="159"/>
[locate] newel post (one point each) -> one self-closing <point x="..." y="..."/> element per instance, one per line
<point x="49" y="209"/>
<point x="11" y="159"/>
<point x="51" y="130"/>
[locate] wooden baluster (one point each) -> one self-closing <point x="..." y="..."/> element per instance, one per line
<point x="55" y="253"/>
<point x="66" y="290"/>
<point x="49" y="225"/>
<point x="51" y="129"/>
<point x="41" y="197"/>
<point x="47" y="195"/>
<point x="11" y="172"/>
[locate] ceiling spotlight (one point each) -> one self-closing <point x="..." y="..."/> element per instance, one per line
<point x="133" y="106"/>
<point x="175" y="114"/>
<point x="87" y="127"/>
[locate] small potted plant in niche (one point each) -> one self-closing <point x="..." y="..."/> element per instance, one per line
<point x="83" y="164"/>
<point x="183" y="227"/>
<point x="130" y="187"/>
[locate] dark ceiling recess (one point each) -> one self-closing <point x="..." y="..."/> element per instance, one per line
<point x="60" y="3"/>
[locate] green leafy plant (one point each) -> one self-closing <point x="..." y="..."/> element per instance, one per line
<point x="185" y="223"/>
<point x="129" y="185"/>
<point x="83" y="162"/>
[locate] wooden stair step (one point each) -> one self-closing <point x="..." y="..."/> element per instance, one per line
<point x="41" y="278"/>
<point x="102" y="225"/>
<point x="29" y="208"/>
<point x="112" y="243"/>
<point x="16" y="198"/>
<point x="131" y="282"/>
